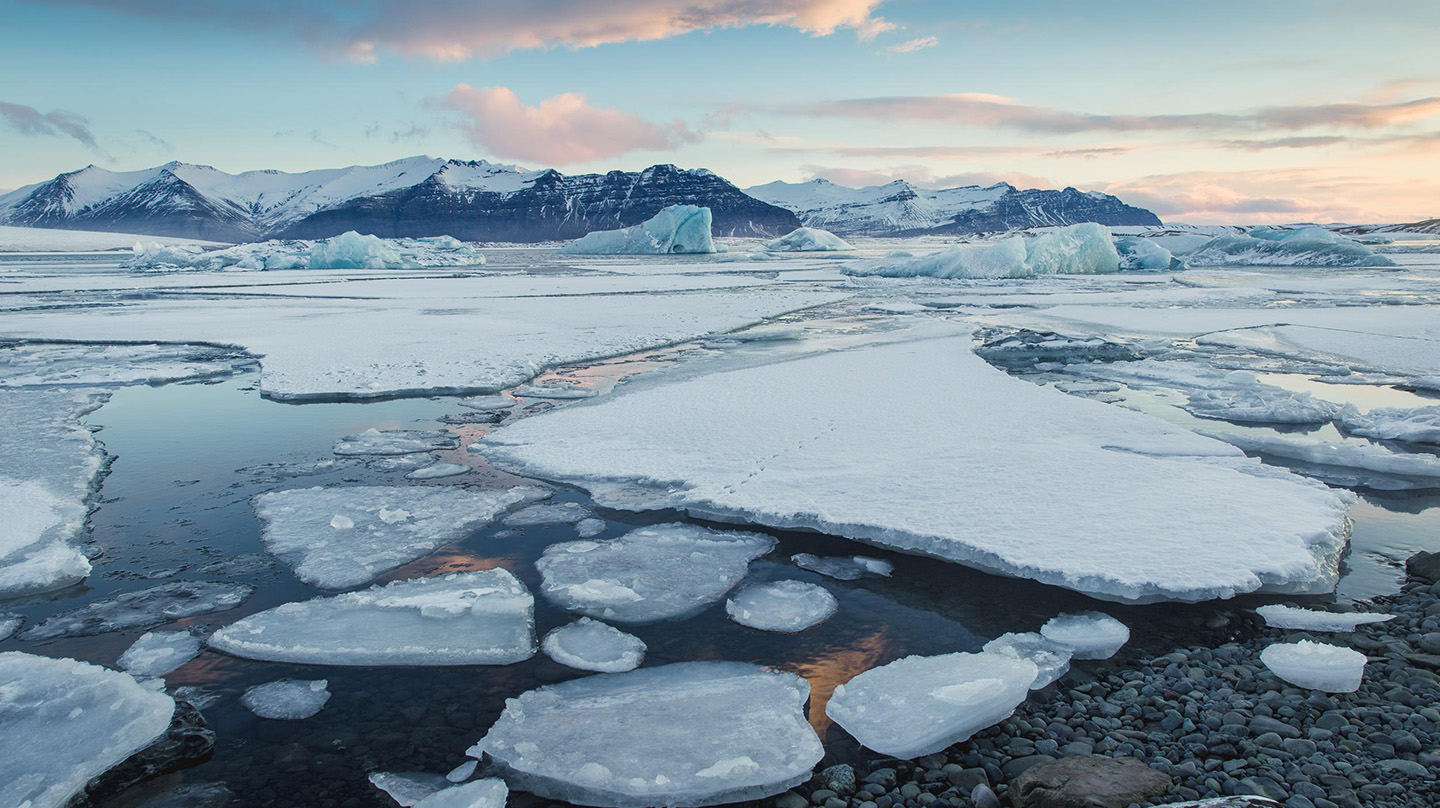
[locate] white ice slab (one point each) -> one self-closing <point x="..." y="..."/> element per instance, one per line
<point x="488" y="403"/>
<point x="1052" y="659"/>
<point x="407" y="788"/>
<point x="63" y="365"/>
<point x="784" y="606"/>
<point x="465" y="618"/>
<point x="142" y="608"/>
<point x="157" y="653"/>
<point x="287" y="699"/>
<point x="1289" y="617"/>
<point x="590" y="645"/>
<point x="1089" y="635"/>
<point x="1315" y="665"/>
<point x="438" y="471"/>
<point x="689" y="734"/>
<point x="1413" y="425"/>
<point x="488" y="793"/>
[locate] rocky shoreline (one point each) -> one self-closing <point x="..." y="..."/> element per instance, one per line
<point x="1152" y="726"/>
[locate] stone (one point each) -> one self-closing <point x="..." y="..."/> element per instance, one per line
<point x="1088" y="781"/>
<point x="1408" y="768"/>
<point x="1424" y="565"/>
<point x="983" y="797"/>
<point x="1259" y="725"/>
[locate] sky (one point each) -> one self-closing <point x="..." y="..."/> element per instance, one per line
<point x="1205" y="112"/>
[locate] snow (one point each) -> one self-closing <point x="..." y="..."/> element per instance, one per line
<point x="549" y="513"/>
<point x="395" y="442"/>
<point x="1317" y="666"/>
<point x="488" y="793"/>
<point x="336" y="538"/>
<point x="142" y="608"/>
<point x="1145" y="254"/>
<point x="590" y="645"/>
<point x="808" y="239"/>
<point x="1080" y="249"/>
<point x="651" y="573"/>
<point x="463" y="618"/>
<point x="63" y="722"/>
<point x="843" y="568"/>
<point x="1368" y="457"/>
<point x="783" y="606"/>
<point x="1289" y="617"/>
<point x="157" y="653"/>
<point x="1052" y="659"/>
<point x="1412" y="425"/>
<point x="920" y="705"/>
<point x="438" y="471"/>
<point x="287" y="699"/>
<point x="44" y="239"/>
<point x="1089" y="635"/>
<point x="1266" y="246"/>
<point x="688" y="734"/>
<point x="798" y="445"/>
<point x="675" y="229"/>
<point x="561" y="391"/>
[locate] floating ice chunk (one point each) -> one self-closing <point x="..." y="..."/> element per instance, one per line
<point x="153" y="255"/>
<point x="1266" y="246"/>
<point x="843" y="568"/>
<point x="1080" y="249"/>
<point x="651" y="573"/>
<point x="1315" y="665"/>
<point x="437" y="471"/>
<point x="488" y="793"/>
<point x="590" y="528"/>
<point x="63" y="722"/>
<point x="9" y="624"/>
<point x="142" y="608"/>
<point x="784" y="606"/>
<point x="387" y="526"/>
<point x="1026" y="347"/>
<point x="1090" y="635"/>
<point x="488" y="403"/>
<point x="808" y="239"/>
<point x="1087" y="388"/>
<point x="465" y="618"/>
<point x="590" y="645"/>
<point x="688" y="734"/>
<point x="287" y="699"/>
<point x="1289" y="617"/>
<point x="676" y="229"/>
<point x="919" y="705"/>
<point x="1146" y="254"/>
<point x="346" y="251"/>
<point x="557" y="513"/>
<point x="395" y="442"/>
<point x="198" y="697"/>
<point x="1413" y="425"/>
<point x="1052" y="659"/>
<point x="463" y="772"/>
<point x="406" y="463"/>
<point x="351" y="250"/>
<point x="1260" y="403"/>
<point x="160" y="652"/>
<point x="563" y="391"/>
<point x="1369" y="457"/>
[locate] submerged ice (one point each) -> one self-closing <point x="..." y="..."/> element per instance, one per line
<point x="287" y="699"/>
<point x="843" y="568"/>
<point x="395" y="442"/>
<point x="1051" y="658"/>
<point x="142" y="608"/>
<point x="676" y="229"/>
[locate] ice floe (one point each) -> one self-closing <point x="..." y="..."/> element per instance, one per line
<point x="808" y="239"/>
<point x="590" y="528"/>
<point x="349" y="250"/>
<point x="488" y="403"/>
<point x="919" y="705"/>
<point x="463" y="772"/>
<point x="407" y="788"/>
<point x="157" y="653"/>
<point x="1080" y="249"/>
<point x="1316" y="665"/>
<point x="464" y="618"/>
<point x="395" y="442"/>
<point x="1229" y="395"/>
<point x="287" y="699"/>
<point x="783" y="606"/>
<point x="651" y="573"/>
<point x="549" y="513"/>
<point x="1412" y="425"/>
<point x="590" y="645"/>
<point x="438" y="471"/>
<point x="1052" y="659"/>
<point x="142" y="608"/>
<point x="676" y="229"/>
<point x="1289" y="617"/>
<point x="688" y="734"/>
<point x="843" y="568"/>
<point x="57" y="365"/>
<point x="1366" y="457"/>
<point x="346" y="536"/>
<point x="1269" y="246"/>
<point x="1089" y="635"/>
<point x="561" y="391"/>
<point x="488" y="793"/>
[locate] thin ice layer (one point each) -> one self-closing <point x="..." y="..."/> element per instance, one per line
<point x="688" y="734"/>
<point x="157" y="653"/>
<point x="63" y="722"/>
<point x="843" y="568"/>
<point x="341" y="537"/>
<point x="395" y="442"/>
<point x="465" y="618"/>
<point x="590" y="645"/>
<point x="783" y="606"/>
<point x="287" y="699"/>
<point x="1316" y="665"/>
<point x="651" y="573"/>
<point x="1052" y="659"/>
<point x="142" y="608"/>
<point x="1132" y="510"/>
<point x="1289" y="617"/>
<point x="675" y="229"/>
<point x="1368" y="457"/>
<point x="919" y="705"/>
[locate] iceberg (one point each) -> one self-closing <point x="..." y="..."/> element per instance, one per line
<point x="920" y="705"/>
<point x="287" y="699"/>
<point x="783" y="606"/>
<point x="63" y="722"/>
<point x="651" y="573"/>
<point x="1412" y="425"/>
<point x="464" y="618"/>
<point x="395" y="442"/>
<point x="808" y="239"/>
<point x="590" y="645"/>
<point x="349" y="250"/>
<point x="676" y="229"/>
<point x="1289" y="617"/>
<point x="1268" y="246"/>
<point x="1080" y="249"/>
<point x="1316" y="665"/>
<point x="336" y="538"/>
<point x="1146" y="254"/>
<point x="142" y="608"/>
<point x="157" y="653"/>
<point x="1052" y="659"/>
<point x="843" y="568"/>
<point x="1089" y="635"/>
<point x="354" y="251"/>
<point x="687" y="734"/>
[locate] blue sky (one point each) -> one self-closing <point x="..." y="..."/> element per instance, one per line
<point x="1285" y="110"/>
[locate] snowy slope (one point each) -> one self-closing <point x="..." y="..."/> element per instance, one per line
<point x="42" y="239"/>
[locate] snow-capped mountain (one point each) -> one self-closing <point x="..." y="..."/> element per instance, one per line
<point x="414" y="197"/>
<point x="899" y="208"/>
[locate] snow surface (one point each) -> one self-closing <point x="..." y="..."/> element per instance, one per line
<point x="44" y="239"/>
<point x="142" y="608"/>
<point x="783" y="606"/>
<point x="675" y="229"/>
<point x="63" y="722"/>
<point x="287" y="699"/>
<point x="590" y="645"/>
<point x="465" y="618"/>
<point x="1127" y="496"/>
<point x="395" y="442"/>
<point x="843" y="568"/>
<point x="651" y="573"/>
<point x="157" y="653"/>
<point x="1315" y="665"/>
<point x="1289" y="617"/>
<point x="1052" y="659"/>
<point x="341" y="537"/>
<point x="1412" y="425"/>
<point x="688" y="734"/>
<point x="808" y="239"/>
<point x="1080" y="249"/>
<point x="1089" y="635"/>
<point x="920" y="705"/>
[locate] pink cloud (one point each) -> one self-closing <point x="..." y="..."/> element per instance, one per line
<point x="912" y="45"/>
<point x="559" y="130"/>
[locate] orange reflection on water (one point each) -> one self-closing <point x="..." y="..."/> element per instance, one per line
<point x="836" y="666"/>
<point x="454" y="559"/>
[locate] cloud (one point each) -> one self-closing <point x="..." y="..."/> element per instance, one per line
<point x="1362" y="194"/>
<point x="155" y="140"/>
<point x="56" y="123"/>
<point x="559" y="130"/>
<point x="912" y="45"/>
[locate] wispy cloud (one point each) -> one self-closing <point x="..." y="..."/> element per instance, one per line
<point x="1281" y="195"/>
<point x="912" y="45"/>
<point x="56" y="123"/>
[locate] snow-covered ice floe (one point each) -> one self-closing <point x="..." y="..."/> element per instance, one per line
<point x="1090" y="635"/>
<point x="1080" y="249"/>
<point x="843" y="568"/>
<point x="157" y="653"/>
<point x="464" y="618"/>
<point x="63" y="722"/>
<point x="808" y="239"/>
<point x="1137" y="509"/>
<point x="1425" y="468"/>
<point x="340" y="537"/>
<point x="783" y="606"/>
<point x="688" y="734"/>
<point x="395" y="442"/>
<point x="651" y="573"/>
<point x="560" y="391"/>
<point x="1289" y="617"/>
<point x="1269" y="246"/>
<point x="676" y="229"/>
<point x="590" y="645"/>
<point x="1316" y="665"/>
<point x="287" y="699"/>
<point x="1052" y="659"/>
<point x="350" y="250"/>
<point x="142" y="608"/>
<point x="919" y="705"/>
<point x="1412" y="425"/>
